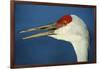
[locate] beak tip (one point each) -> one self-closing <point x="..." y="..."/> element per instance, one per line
<point x="22" y="32"/>
<point x="24" y="38"/>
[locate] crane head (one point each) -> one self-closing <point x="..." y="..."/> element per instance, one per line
<point x="59" y="27"/>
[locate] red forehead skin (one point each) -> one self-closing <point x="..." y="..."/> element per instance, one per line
<point x="66" y="19"/>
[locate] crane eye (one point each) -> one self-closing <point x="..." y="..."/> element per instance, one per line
<point x="65" y="22"/>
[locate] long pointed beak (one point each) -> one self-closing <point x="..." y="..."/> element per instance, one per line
<point x="50" y="30"/>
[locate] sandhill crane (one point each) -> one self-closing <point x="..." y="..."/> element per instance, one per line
<point x="70" y="28"/>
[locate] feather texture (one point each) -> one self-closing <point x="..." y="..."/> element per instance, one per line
<point x="77" y="34"/>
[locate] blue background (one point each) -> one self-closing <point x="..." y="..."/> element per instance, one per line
<point x="47" y="50"/>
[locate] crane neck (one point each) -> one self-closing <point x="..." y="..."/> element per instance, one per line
<point x="81" y="49"/>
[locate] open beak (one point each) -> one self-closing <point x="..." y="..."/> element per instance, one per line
<point x="50" y="31"/>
